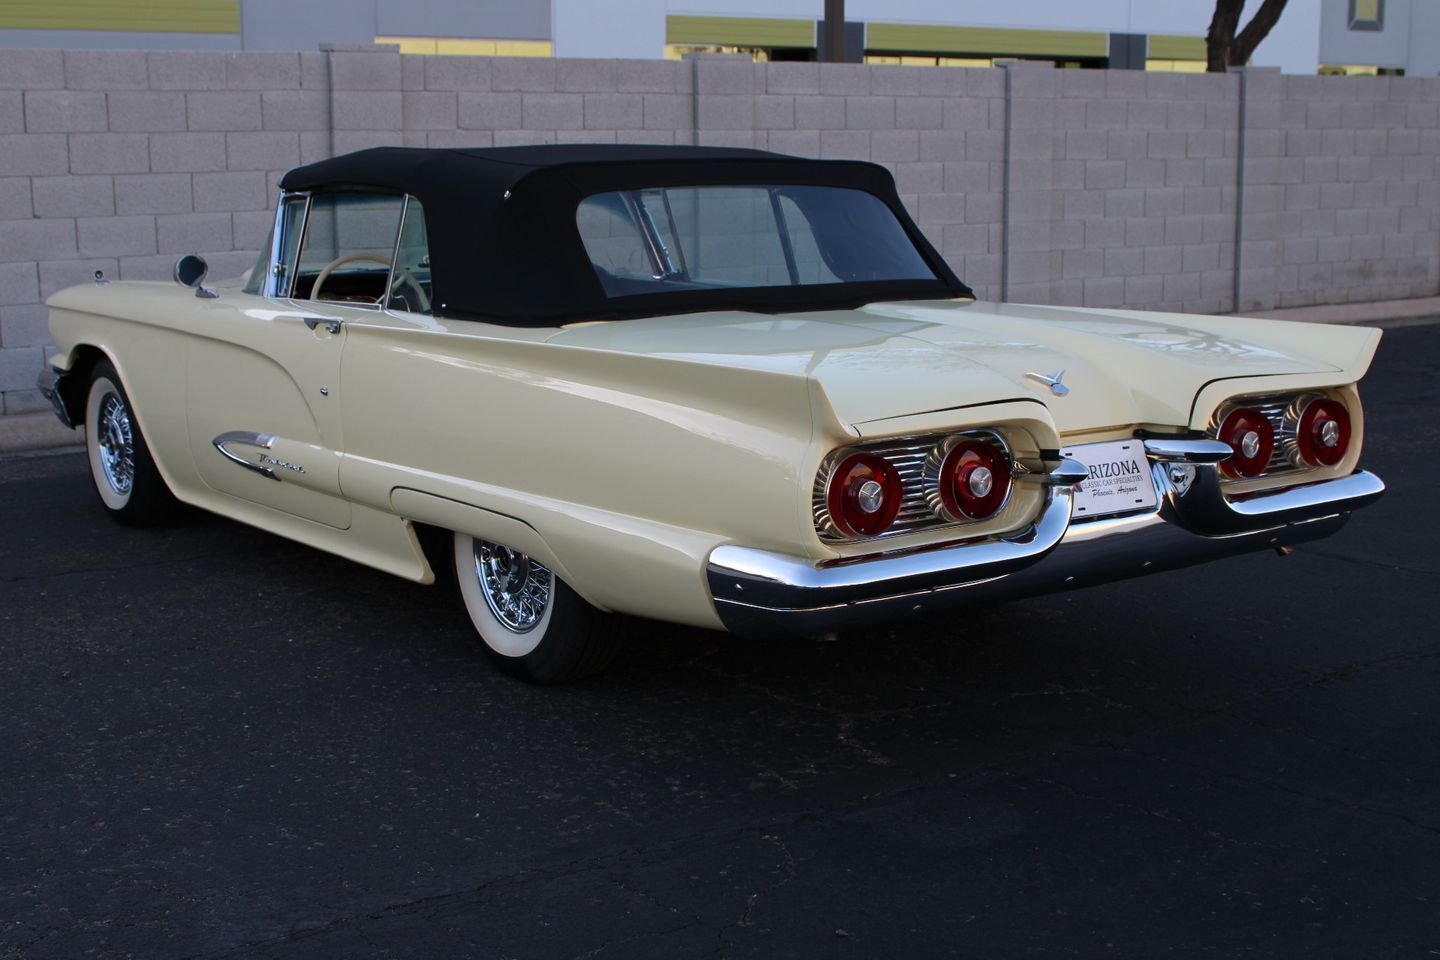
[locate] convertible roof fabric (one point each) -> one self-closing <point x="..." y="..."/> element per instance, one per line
<point x="505" y="247"/>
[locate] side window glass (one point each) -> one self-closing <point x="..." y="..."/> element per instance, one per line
<point x="614" y="240"/>
<point x="730" y="236"/>
<point x="345" y="254"/>
<point x="410" y="287"/>
<point x="808" y="263"/>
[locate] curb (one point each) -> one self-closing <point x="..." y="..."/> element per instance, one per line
<point x="1356" y="312"/>
<point x="35" y="431"/>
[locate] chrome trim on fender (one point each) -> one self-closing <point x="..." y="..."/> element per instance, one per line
<point x="263" y="441"/>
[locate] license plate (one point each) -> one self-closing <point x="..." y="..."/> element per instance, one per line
<point x="1119" y="478"/>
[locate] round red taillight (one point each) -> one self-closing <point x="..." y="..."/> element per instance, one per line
<point x="974" y="479"/>
<point x="1251" y="437"/>
<point x="864" y="495"/>
<point x="1323" y="434"/>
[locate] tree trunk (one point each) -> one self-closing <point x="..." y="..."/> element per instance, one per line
<point x="1256" y="30"/>
<point x="1221" y="37"/>
<point x="1223" y="48"/>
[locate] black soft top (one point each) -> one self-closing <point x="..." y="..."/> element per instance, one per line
<point x="505" y="247"/>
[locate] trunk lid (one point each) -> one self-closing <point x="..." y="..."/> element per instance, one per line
<point x="890" y="360"/>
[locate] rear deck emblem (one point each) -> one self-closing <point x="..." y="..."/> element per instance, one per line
<point x="1052" y="380"/>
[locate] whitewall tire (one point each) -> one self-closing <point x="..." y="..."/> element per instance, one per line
<point x="126" y="478"/>
<point x="528" y="620"/>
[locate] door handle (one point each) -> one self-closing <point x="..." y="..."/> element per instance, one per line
<point x="330" y="324"/>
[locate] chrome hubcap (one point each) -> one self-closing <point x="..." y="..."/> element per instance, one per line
<point x="517" y="589"/>
<point x="114" y="436"/>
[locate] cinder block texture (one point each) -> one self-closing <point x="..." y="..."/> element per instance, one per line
<point x="64" y="111"/>
<point x="1122" y="185"/>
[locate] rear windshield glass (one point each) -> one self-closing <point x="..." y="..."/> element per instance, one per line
<point x="697" y="238"/>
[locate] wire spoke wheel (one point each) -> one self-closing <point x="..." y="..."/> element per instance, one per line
<point x="517" y="588"/>
<point x="116" y="439"/>
<point x="124" y="472"/>
<point x="530" y="622"/>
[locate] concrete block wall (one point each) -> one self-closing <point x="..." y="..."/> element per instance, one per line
<point x="1141" y="189"/>
<point x="1342" y="190"/>
<point x="1107" y="189"/>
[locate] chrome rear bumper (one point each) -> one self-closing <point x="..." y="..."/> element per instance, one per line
<point x="761" y="592"/>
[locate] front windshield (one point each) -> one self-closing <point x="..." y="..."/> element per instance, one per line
<point x="659" y="240"/>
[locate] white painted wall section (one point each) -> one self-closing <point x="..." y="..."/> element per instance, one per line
<point x="1091" y="15"/>
<point x="1389" y="47"/>
<point x="1424" y="40"/>
<point x="585" y="28"/>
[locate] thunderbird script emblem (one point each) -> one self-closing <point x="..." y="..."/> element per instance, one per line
<point x="1052" y="380"/>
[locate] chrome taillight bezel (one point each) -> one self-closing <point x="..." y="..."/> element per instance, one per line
<point x="845" y="508"/>
<point x="918" y="459"/>
<point x="1313" y="453"/>
<point x="1283" y="411"/>
<point x="935" y="478"/>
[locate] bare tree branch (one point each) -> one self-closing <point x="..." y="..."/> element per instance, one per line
<point x="1255" y="31"/>
<point x="1223" y="48"/>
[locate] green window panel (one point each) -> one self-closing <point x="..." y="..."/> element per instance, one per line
<point x="141" y="16"/>
<point x="739" y="31"/>
<point x="929" y="38"/>
<point x="1176" y="48"/>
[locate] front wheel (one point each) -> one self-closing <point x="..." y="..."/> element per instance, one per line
<point x="531" y="623"/>
<point x="125" y="475"/>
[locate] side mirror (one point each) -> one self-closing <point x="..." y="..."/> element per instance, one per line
<point x="190" y="271"/>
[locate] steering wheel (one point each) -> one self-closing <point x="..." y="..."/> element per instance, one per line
<point x="405" y="277"/>
<point x="402" y="276"/>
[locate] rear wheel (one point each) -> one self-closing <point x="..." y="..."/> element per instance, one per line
<point x="126" y="478"/>
<point x="529" y="620"/>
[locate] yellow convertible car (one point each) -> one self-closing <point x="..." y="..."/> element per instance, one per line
<point x="718" y="387"/>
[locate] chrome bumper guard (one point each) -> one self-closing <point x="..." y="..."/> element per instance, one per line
<point x="761" y="592"/>
<point x="48" y="384"/>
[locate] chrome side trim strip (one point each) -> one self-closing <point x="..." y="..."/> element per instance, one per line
<point x="263" y="441"/>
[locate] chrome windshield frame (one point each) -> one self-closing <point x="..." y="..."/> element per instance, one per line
<point x="278" y="286"/>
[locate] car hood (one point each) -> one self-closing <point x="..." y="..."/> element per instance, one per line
<point x="890" y="360"/>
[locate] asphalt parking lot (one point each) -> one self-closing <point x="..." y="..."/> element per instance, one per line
<point x="215" y="743"/>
